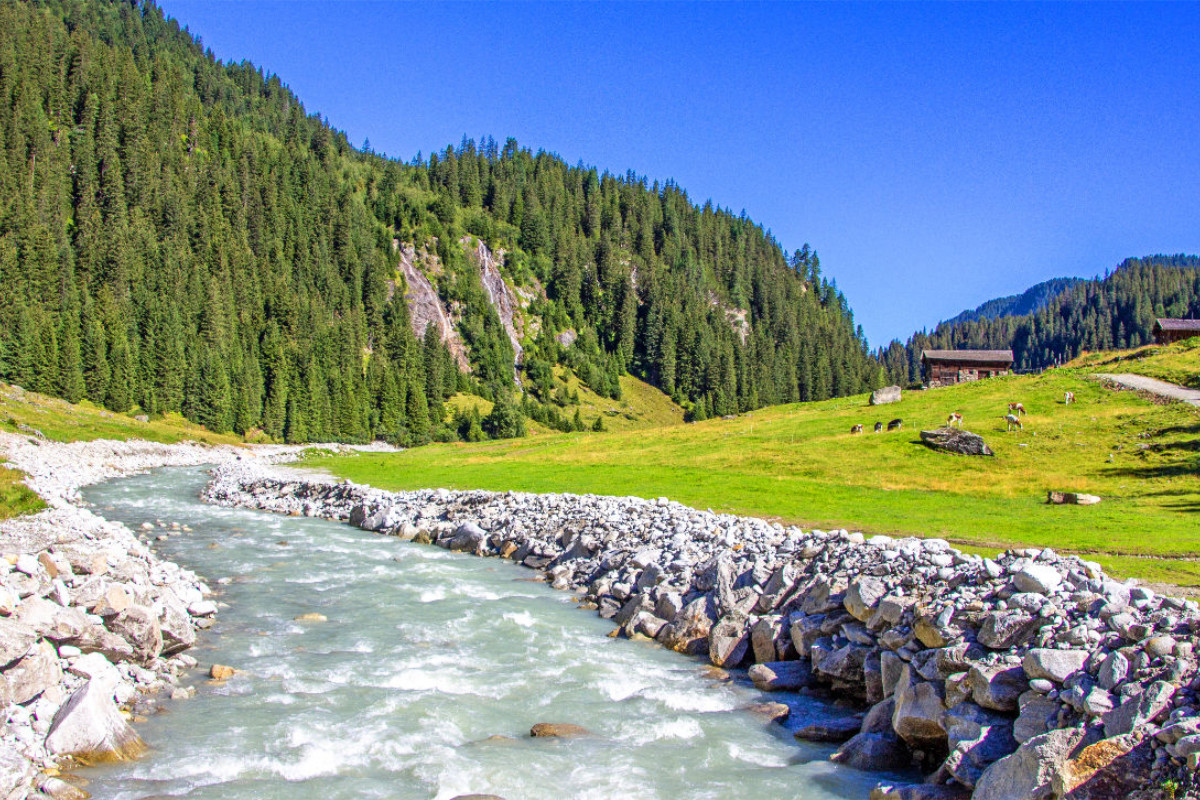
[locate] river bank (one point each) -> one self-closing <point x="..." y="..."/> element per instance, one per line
<point x="1026" y="676"/>
<point x="94" y="627"/>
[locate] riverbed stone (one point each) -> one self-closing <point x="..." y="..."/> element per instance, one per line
<point x="15" y="640"/>
<point x="89" y="727"/>
<point x="1029" y="773"/>
<point x="835" y="730"/>
<point x="781" y="676"/>
<point x="139" y="626"/>
<point x="1138" y="710"/>
<point x="558" y="730"/>
<point x="1038" y="578"/>
<point x="917" y="718"/>
<point x="728" y="642"/>
<point x="1054" y="665"/>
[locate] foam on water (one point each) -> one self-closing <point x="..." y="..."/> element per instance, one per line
<point x="425" y="680"/>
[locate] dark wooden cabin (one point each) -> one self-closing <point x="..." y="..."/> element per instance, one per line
<point x="1167" y="331"/>
<point x="945" y="367"/>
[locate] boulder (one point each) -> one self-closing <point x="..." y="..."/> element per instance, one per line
<point x="16" y="773"/>
<point x="1114" y="767"/>
<point x="885" y="395"/>
<point x="1038" y="715"/>
<point x="95" y="666"/>
<point x="221" y="672"/>
<point x="51" y="620"/>
<point x="1037" y="578"/>
<point x="559" y="730"/>
<point x="175" y="624"/>
<point x="1002" y="630"/>
<point x="781" y="676"/>
<point x="139" y="626"/>
<point x="977" y="738"/>
<point x="469" y="538"/>
<point x="836" y="730"/>
<point x="771" y="711"/>
<point x="688" y="631"/>
<point x="863" y="595"/>
<point x="33" y="674"/>
<point x="1136" y="711"/>
<point x="15" y="640"/>
<point x="873" y="751"/>
<point x="917" y="718"/>
<point x="1054" y="665"/>
<point x="728" y="642"/>
<point x="997" y="687"/>
<point x="762" y="639"/>
<point x="953" y="440"/>
<point x="90" y="728"/>
<point x="1029" y="773"/>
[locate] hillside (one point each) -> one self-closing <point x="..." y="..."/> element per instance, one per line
<point x="800" y="463"/>
<point x="1027" y="302"/>
<point x="1113" y="312"/>
<point x="179" y="235"/>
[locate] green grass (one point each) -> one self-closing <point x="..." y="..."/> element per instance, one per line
<point x="1176" y="363"/>
<point x="15" y="497"/>
<point x="800" y="464"/>
<point x="61" y="421"/>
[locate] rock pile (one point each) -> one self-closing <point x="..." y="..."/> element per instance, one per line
<point x="1031" y="675"/>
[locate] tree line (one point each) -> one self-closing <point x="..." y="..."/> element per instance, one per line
<point x="179" y="234"/>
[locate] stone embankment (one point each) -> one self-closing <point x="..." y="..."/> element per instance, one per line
<point x="93" y="626"/>
<point x="1027" y="676"/>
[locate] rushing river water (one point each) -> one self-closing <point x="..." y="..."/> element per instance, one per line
<point x="426" y="678"/>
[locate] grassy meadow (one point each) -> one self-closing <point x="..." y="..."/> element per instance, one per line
<point x="800" y="464"/>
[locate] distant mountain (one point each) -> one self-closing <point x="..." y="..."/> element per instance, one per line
<point x="1017" y="305"/>
<point x="1113" y="312"/>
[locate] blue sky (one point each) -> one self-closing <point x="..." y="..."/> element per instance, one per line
<point x="936" y="156"/>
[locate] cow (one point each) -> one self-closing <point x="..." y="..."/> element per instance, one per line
<point x="955" y="418"/>
<point x="1016" y="408"/>
<point x="1068" y="398"/>
<point x="1013" y="419"/>
<point x="878" y="427"/>
<point x="856" y="429"/>
<point x="896" y="425"/>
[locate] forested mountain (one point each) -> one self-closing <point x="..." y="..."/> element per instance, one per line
<point x="1116" y="311"/>
<point x="180" y="234"/>
<point x="1017" y="305"/>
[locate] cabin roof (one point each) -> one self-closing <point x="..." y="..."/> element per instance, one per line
<point x="969" y="356"/>
<point x="1178" y="324"/>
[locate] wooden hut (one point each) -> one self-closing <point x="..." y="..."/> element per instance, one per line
<point x="1167" y="331"/>
<point x="945" y="367"/>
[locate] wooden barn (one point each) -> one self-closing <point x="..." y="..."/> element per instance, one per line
<point x="1167" y="331"/>
<point x="946" y="367"/>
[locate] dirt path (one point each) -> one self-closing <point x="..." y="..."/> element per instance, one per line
<point x="1160" y="388"/>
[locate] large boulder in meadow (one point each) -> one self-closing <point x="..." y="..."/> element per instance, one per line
<point x="885" y="395"/>
<point x="953" y="440"/>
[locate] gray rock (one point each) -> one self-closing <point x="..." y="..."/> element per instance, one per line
<point x="89" y="727"/>
<point x="728" y="642"/>
<point x="953" y="440"/>
<point x="1136" y="711"/>
<point x="917" y="718"/>
<point x="919" y="791"/>
<point x="863" y="595"/>
<point x="835" y="731"/>
<point x="1054" y="665"/>
<point x="15" y="640"/>
<point x="688" y="631"/>
<point x="997" y="687"/>
<point x="762" y="639"/>
<point x="1004" y="629"/>
<point x="977" y="739"/>
<point x="873" y="751"/>
<point x="781" y="676"/>
<point x="885" y="395"/>
<point x="1028" y="774"/>
<point x="1114" y="670"/>
<point x="1039" y="578"/>
<point x="469" y="538"/>
<point x="139" y="626"/>
<point x="1039" y="714"/>
<point x="33" y="674"/>
<point x="16" y="773"/>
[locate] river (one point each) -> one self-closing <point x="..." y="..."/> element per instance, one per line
<point x="426" y="678"/>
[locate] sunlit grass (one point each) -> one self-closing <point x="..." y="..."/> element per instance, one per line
<point x="15" y="497"/>
<point x="800" y="464"/>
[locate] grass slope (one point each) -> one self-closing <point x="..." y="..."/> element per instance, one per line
<point x="15" y="497"/>
<point x="800" y="464"/>
<point x="61" y="421"/>
<point x="1177" y="363"/>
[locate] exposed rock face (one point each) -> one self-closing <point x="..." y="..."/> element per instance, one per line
<point x="888" y="394"/>
<point x="954" y="440"/>
<point x="558" y="730"/>
<point x="503" y="299"/>
<point x="1003" y="670"/>
<point x="425" y="307"/>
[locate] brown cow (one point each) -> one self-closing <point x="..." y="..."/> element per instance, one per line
<point x="856" y="429"/>
<point x="1016" y="408"/>
<point x="1013" y="419"/>
<point x="955" y="418"/>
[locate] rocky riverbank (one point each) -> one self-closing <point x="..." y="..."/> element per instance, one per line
<point x="1027" y="676"/>
<point x="94" y="627"/>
